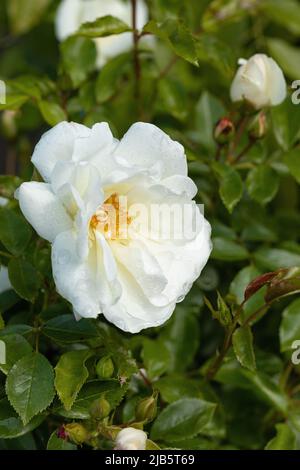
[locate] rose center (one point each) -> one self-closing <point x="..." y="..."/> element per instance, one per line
<point x="112" y="218"/>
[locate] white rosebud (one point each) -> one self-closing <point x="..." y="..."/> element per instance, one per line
<point x="71" y="14"/>
<point x="128" y="241"/>
<point x="131" y="439"/>
<point x="259" y="81"/>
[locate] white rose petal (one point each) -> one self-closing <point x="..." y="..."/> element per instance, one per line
<point x="133" y="273"/>
<point x="71" y="14"/>
<point x="131" y="439"/>
<point x="259" y="81"/>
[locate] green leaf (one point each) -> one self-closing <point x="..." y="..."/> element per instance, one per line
<point x="177" y="36"/>
<point x="286" y="14"/>
<point x="16" y="348"/>
<point x="156" y="357"/>
<point x="242" y="341"/>
<point x="70" y="375"/>
<point x="24" y="14"/>
<point x="231" y="185"/>
<point x="30" y="386"/>
<point x="285" y="124"/>
<point x="285" y="439"/>
<point x="181" y="338"/>
<point x="290" y="326"/>
<point x="216" y="53"/>
<point x="52" y="112"/>
<point x="65" y="329"/>
<point x="104" y="26"/>
<point x="56" y="443"/>
<point x="24" y="278"/>
<point x="78" y="58"/>
<point x="292" y="161"/>
<point x="287" y="56"/>
<point x="11" y="425"/>
<point x="228" y="250"/>
<point x="271" y="259"/>
<point x="262" y="184"/>
<point x="110" y="75"/>
<point x="182" y="419"/>
<point x="15" y="232"/>
<point x="91" y="391"/>
<point x="238" y="286"/>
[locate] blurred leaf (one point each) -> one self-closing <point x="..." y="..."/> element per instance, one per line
<point x="13" y="102"/>
<point x="208" y="111"/>
<point x="16" y="348"/>
<point x="182" y="419"/>
<point x="242" y="341"/>
<point x="52" y="112"/>
<point x="287" y="56"/>
<point x="262" y="184"/>
<point x="56" y="443"/>
<point x="15" y="232"/>
<point x="8" y="185"/>
<point x="285" y="439"/>
<point x="290" y="326"/>
<point x="181" y="337"/>
<point x="110" y="75"/>
<point x="292" y="161"/>
<point x="78" y="58"/>
<point x="70" y="375"/>
<point x="286" y="14"/>
<point x="174" y="388"/>
<point x="104" y="26"/>
<point x="272" y="259"/>
<point x="24" y="278"/>
<point x="215" y="52"/>
<point x="228" y="250"/>
<point x="30" y="386"/>
<point x="156" y="357"/>
<point x="65" y="329"/>
<point x="24" y="14"/>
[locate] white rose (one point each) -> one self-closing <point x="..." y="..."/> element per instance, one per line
<point x="259" y="81"/>
<point x="71" y="14"/>
<point x="131" y="439"/>
<point x="134" y="279"/>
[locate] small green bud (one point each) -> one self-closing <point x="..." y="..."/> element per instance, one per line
<point x="76" y="432"/>
<point x="224" y="131"/>
<point x="258" y="126"/>
<point x="105" y="368"/>
<point x="100" y="409"/>
<point x="146" y="409"/>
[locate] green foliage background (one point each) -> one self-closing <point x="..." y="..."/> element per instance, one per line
<point x="193" y="395"/>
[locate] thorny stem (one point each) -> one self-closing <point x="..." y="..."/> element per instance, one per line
<point x="213" y="369"/>
<point x="145" y="379"/>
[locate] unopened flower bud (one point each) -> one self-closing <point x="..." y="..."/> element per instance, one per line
<point x="76" y="432"/>
<point x="131" y="439"/>
<point x="258" y="126"/>
<point x="100" y="409"/>
<point x="105" y="368"/>
<point x="146" y="409"/>
<point x="224" y="131"/>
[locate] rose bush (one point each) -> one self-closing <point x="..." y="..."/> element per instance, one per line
<point x="124" y="331"/>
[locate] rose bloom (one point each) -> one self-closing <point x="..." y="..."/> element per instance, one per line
<point x="259" y="81"/>
<point x="71" y="14"/>
<point x="131" y="439"/>
<point x="109" y="257"/>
